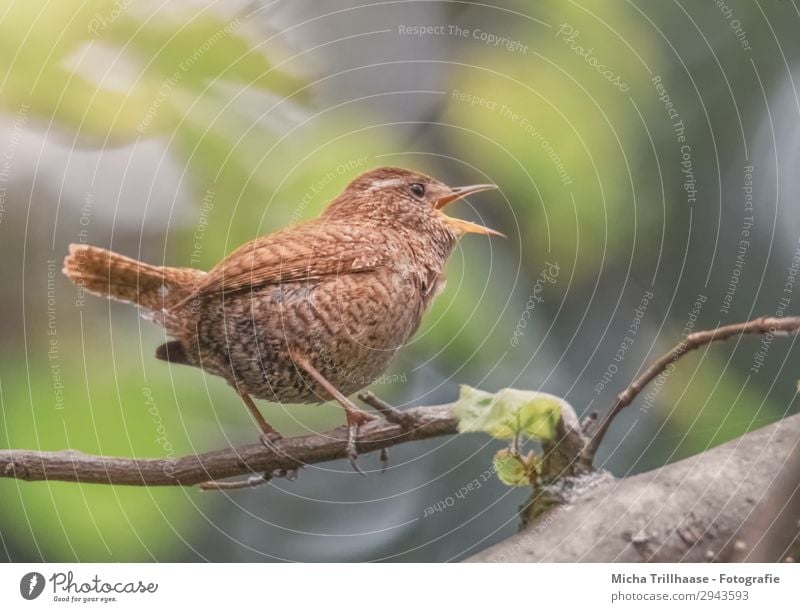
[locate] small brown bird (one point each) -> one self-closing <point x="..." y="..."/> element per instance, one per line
<point x="307" y="314"/>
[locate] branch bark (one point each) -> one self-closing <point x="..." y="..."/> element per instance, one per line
<point x="772" y="532"/>
<point x="687" y="511"/>
<point x="290" y="454"/>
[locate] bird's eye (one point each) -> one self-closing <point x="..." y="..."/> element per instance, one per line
<point x="417" y="189"/>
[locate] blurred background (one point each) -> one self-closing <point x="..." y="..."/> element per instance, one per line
<point x="647" y="154"/>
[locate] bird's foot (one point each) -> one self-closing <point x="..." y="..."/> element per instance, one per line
<point x="389" y="412"/>
<point x="249" y="482"/>
<point x="384" y="460"/>
<point x="230" y="485"/>
<point x="290" y="475"/>
<point x="355" y="419"/>
<point x="269" y="438"/>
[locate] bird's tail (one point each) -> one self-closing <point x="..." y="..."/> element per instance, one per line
<point x="121" y="278"/>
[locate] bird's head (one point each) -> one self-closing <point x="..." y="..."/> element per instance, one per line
<point x="395" y="197"/>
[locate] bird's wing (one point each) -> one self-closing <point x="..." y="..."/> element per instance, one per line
<point x="301" y="253"/>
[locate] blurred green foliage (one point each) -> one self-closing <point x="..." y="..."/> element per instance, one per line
<point x="109" y="415"/>
<point x="173" y="58"/>
<point x="554" y="129"/>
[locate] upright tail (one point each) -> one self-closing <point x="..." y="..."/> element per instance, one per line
<point x="121" y="278"/>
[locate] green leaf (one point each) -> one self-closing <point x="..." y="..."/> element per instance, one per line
<point x="508" y="413"/>
<point x="513" y="469"/>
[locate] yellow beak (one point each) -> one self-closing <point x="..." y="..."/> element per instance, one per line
<point x="460" y="225"/>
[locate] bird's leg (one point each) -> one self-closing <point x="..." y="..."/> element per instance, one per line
<point x="268" y="433"/>
<point x="268" y="436"/>
<point x="355" y="417"/>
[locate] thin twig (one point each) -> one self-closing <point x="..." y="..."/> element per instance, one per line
<point x="762" y="325"/>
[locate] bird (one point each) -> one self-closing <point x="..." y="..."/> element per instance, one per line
<point x="307" y="314"/>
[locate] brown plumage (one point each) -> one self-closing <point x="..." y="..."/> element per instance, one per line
<point x="312" y="312"/>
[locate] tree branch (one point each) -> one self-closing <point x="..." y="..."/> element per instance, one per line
<point x="772" y="531"/>
<point x="762" y="325"/>
<point x="252" y="459"/>
<point x="691" y="510"/>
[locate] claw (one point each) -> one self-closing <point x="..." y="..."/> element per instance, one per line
<point x="355" y="418"/>
<point x="269" y="439"/>
<point x="352" y="460"/>
<point x="384" y="460"/>
<point x="247" y="483"/>
<point x="352" y="453"/>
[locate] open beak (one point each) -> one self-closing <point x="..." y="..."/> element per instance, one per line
<point x="460" y="225"/>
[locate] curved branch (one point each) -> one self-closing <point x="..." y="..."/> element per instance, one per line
<point x="288" y="454"/>
<point x="762" y="325"/>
